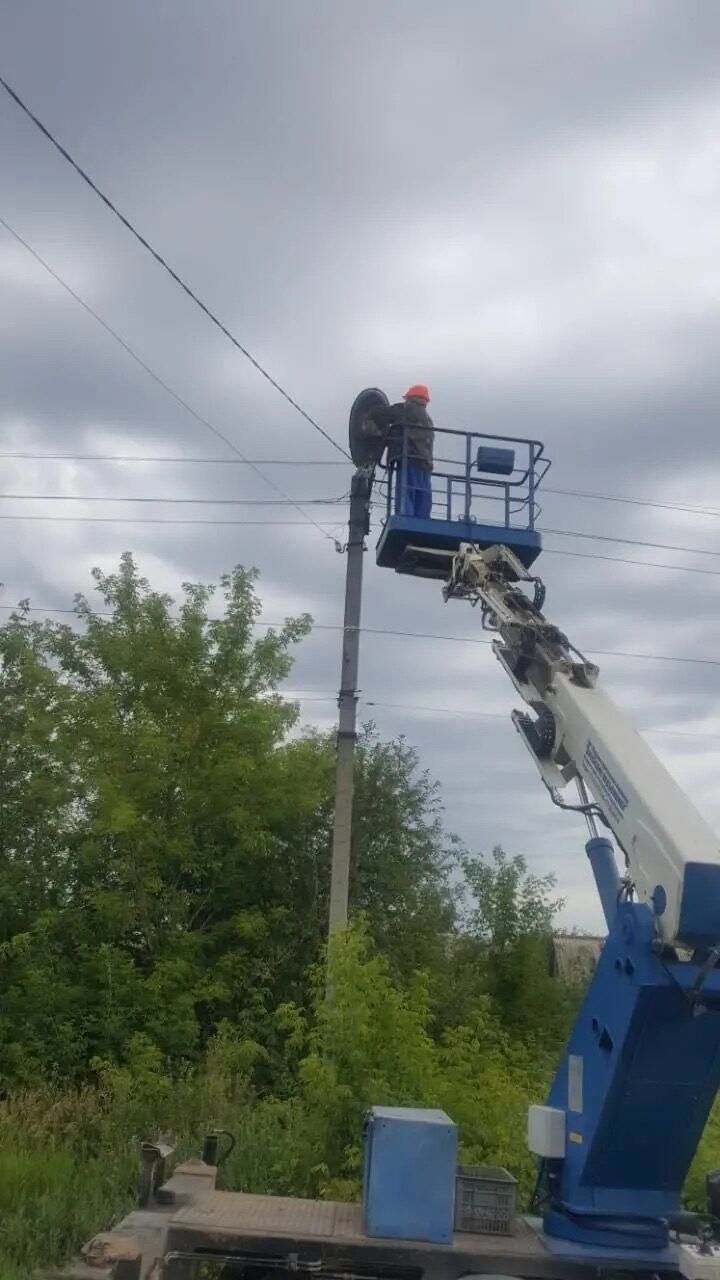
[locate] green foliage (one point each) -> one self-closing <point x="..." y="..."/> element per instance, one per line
<point x="69" y="1153"/>
<point x="403" y="858"/>
<point x="369" y="1044"/>
<point x="509" y="902"/>
<point x="505" y="944"/>
<point x="164" y="873"/>
<point x="164" y="862"/>
<point x="149" y="805"/>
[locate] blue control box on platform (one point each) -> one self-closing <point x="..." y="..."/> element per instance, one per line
<point x="409" y="1174"/>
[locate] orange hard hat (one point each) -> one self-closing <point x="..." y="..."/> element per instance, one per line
<point x="417" y="392"/>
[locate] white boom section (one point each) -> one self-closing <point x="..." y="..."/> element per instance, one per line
<point x="581" y="734"/>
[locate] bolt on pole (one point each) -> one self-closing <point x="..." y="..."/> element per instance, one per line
<point x="358" y="528"/>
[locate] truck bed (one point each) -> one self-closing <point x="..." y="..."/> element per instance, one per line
<point x="331" y="1234"/>
<point x="251" y="1237"/>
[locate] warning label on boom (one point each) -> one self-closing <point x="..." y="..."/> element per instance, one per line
<point x="604" y="784"/>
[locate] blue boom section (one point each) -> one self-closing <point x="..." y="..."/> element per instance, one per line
<point x="637" y="1082"/>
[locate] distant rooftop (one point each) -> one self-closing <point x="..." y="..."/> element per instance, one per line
<point x="573" y="957"/>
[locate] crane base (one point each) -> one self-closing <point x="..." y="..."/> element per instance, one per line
<point x="645" y="1235"/>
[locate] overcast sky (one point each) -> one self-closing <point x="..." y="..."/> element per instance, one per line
<point x="515" y="203"/>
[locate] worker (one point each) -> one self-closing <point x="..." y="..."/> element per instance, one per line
<point x="408" y="429"/>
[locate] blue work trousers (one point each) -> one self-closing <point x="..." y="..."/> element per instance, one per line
<point x="413" y="491"/>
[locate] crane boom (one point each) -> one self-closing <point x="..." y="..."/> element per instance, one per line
<point x="578" y="733"/>
<point x="641" y="1069"/>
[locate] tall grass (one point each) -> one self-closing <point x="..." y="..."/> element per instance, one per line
<point x="69" y="1157"/>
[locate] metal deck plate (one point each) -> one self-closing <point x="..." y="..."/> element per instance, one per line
<point x="233" y="1214"/>
<point x="234" y="1222"/>
<point x="240" y="1214"/>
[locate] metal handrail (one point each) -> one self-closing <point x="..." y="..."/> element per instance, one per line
<point x="517" y="491"/>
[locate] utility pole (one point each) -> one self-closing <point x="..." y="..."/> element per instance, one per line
<point x="358" y="528"/>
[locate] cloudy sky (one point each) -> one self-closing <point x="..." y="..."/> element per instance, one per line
<point x="516" y="204"/>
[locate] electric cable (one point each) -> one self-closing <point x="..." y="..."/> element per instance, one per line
<point x="152" y="374"/>
<point x="270" y="524"/>
<point x="158" y="458"/>
<point x="635" y="502"/>
<point x="642" y="564"/>
<point x="629" y="542"/>
<point x="328" y="462"/>
<point x="165" y="265"/>
<point x="201" y="502"/>
<point x="452" y="714"/>
<point x="421" y="635"/>
<point x="322" y="525"/>
<point x="249" y="462"/>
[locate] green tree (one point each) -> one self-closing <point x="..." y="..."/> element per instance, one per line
<point x="507" y="928"/>
<point x="403" y="858"/>
<point x="149" y="801"/>
<point x="165" y="847"/>
<point x="371" y="1043"/>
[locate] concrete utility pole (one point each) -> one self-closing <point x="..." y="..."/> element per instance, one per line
<point x="358" y="528"/>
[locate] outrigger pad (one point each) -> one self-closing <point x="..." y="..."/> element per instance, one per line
<point x="363" y="449"/>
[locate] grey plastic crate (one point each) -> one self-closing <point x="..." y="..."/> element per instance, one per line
<point x="485" y="1200"/>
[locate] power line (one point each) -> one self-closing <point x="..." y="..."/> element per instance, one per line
<point x="307" y="462"/>
<point x="635" y="502"/>
<point x="220" y="435"/>
<point x="327" y="462"/>
<point x="448" y="713"/>
<point x="293" y="502"/>
<point x="312" y="502"/>
<point x="136" y="457"/>
<point x="299" y="696"/>
<point x="628" y="542"/>
<point x="601" y="653"/>
<point x="329" y="524"/>
<point x="452" y="714"/>
<point x="288" y="501"/>
<point x="423" y="635"/>
<point x="202" y="502"/>
<point x="269" y="524"/>
<point x="643" y="564"/>
<point x="166" y="266"/>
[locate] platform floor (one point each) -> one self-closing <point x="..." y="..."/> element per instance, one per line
<point x="425" y="548"/>
<point x="330" y="1234"/>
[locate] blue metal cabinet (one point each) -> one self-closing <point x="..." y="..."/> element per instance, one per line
<point x="409" y="1174"/>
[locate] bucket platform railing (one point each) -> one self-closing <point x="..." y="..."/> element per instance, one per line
<point x="484" y="490"/>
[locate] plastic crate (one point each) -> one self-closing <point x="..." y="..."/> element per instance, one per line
<point x="485" y="1200"/>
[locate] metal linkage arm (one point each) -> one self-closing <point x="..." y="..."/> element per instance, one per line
<point x="578" y="733"/>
